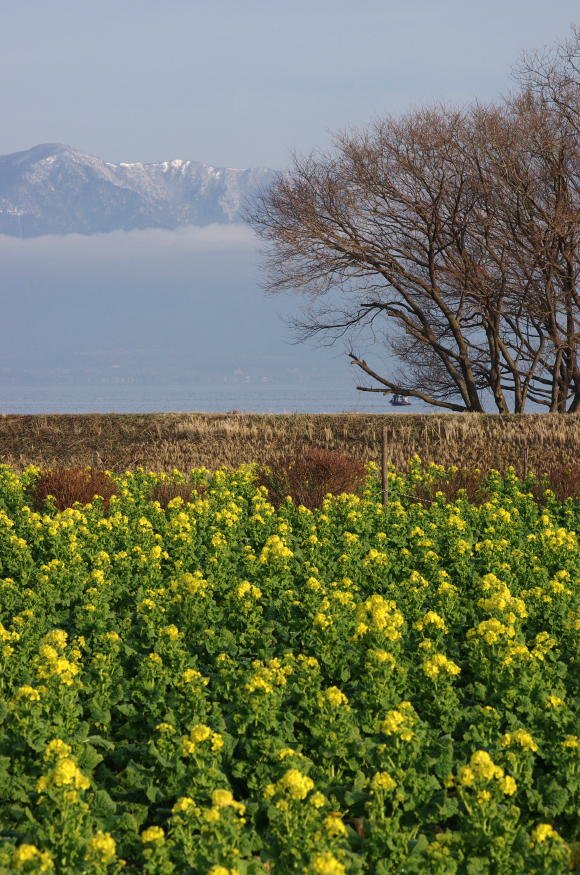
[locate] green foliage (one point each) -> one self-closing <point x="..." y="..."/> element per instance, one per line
<point x="221" y="687"/>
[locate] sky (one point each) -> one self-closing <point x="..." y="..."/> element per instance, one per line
<point x="230" y="83"/>
<point x="242" y="82"/>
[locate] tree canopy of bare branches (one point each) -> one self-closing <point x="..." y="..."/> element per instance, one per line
<point x="451" y="237"/>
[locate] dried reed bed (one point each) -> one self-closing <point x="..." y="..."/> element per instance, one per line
<point x="162" y="442"/>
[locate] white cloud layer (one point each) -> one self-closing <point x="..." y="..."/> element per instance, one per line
<point x="151" y="243"/>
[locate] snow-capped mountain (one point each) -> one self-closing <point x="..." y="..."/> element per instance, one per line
<point x="54" y="189"/>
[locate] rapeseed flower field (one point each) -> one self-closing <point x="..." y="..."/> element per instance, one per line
<point x="220" y="688"/>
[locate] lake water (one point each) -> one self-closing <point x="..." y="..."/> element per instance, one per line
<point x="213" y="398"/>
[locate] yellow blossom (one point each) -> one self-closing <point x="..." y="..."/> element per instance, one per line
<point x="57" y="749"/>
<point x="153" y="834"/>
<point x="438" y="664"/>
<point x="198" y="735"/>
<point x="333" y="696"/>
<point x="521" y="737"/>
<point x="184" y="803"/>
<point x="225" y="799"/>
<point x="191" y="676"/>
<point x="399" y="720"/>
<point x="433" y="619"/>
<point x="27" y="853"/>
<point x="508" y="786"/>
<point x="325" y="864"/>
<point x="103" y="845"/>
<point x="480" y="766"/>
<point x="27" y="692"/>
<point x="544" y="831"/>
<point x="334" y="826"/>
<point x="382" y="781"/>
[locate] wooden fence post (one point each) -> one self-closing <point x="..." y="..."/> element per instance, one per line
<point x="385" y="468"/>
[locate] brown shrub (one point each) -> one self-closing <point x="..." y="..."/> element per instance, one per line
<point x="70" y="485"/>
<point x="307" y="477"/>
<point x="563" y="480"/>
<point x="166" y="492"/>
<point x="472" y="482"/>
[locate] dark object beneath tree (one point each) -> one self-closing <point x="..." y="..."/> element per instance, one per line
<point x="399" y="401"/>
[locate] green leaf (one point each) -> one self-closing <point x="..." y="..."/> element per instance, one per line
<point x="100" y="715"/>
<point x="152" y="792"/>
<point x="90" y="758"/>
<point x="555" y="797"/>
<point x="477" y="865"/>
<point x="418" y="845"/>
<point x="102" y="804"/>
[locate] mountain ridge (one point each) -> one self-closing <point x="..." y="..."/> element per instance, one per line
<point x="56" y="189"/>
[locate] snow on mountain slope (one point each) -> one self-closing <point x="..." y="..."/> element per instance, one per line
<point x="54" y="189"/>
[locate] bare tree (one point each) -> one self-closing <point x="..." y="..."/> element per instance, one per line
<point x="452" y="237"/>
<point x="544" y="181"/>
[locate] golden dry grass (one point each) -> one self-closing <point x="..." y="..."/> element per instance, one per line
<point x="162" y="442"/>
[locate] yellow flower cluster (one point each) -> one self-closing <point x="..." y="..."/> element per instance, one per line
<point x="222" y="870"/>
<point x="199" y="735"/>
<point x="431" y="618"/>
<point x="501" y="600"/>
<point x="399" y="721"/>
<point x="245" y="589"/>
<point x="103" y="846"/>
<point x="153" y="835"/>
<point x="193" y="584"/>
<point x="521" y="737"/>
<point x="6" y="640"/>
<point x="267" y="677"/>
<point x="65" y="774"/>
<point x="491" y="631"/>
<point x="25" y="854"/>
<point x="325" y="864"/>
<point x="293" y="785"/>
<point x="191" y="677"/>
<point x="183" y="805"/>
<point x="51" y="663"/>
<point x="25" y="693"/>
<point x="482" y="767"/>
<point x="382" y="781"/>
<point x="440" y="664"/>
<point x="378" y="614"/>
<point x="225" y="799"/>
<point x="275" y="550"/>
<point x="543" y="832"/>
<point x="57" y="750"/>
<point x="333" y="697"/>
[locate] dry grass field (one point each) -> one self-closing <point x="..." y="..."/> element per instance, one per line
<point x="165" y="441"/>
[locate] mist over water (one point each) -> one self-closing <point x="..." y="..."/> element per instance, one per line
<point x="157" y="321"/>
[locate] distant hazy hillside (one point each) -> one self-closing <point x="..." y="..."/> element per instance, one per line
<point x="53" y="189"/>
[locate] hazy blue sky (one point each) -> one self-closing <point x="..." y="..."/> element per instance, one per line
<point x="229" y="82"/>
<point x="240" y="82"/>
